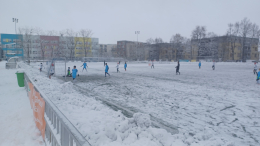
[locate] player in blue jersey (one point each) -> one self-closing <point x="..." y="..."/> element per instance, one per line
<point x="74" y="73"/>
<point x="84" y="66"/>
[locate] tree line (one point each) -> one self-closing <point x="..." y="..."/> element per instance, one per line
<point x="243" y="32"/>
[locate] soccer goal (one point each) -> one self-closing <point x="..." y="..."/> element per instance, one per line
<point x="56" y="67"/>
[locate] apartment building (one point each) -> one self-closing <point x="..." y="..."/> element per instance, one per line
<point x="46" y="47"/>
<point x="132" y="50"/>
<point x="227" y="48"/>
<point x="105" y="50"/>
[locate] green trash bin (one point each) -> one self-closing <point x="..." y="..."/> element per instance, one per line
<point x="20" y="78"/>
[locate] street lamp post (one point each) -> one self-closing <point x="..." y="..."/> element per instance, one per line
<point x="137" y="32"/>
<point x="15" y="20"/>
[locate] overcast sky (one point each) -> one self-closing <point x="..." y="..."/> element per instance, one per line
<point x="113" y="20"/>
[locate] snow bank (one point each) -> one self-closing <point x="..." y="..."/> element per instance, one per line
<point x="99" y="124"/>
<point x="16" y="116"/>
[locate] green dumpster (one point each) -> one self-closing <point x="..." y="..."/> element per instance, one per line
<point x="20" y="78"/>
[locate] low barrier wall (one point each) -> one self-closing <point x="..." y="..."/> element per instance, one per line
<point x="55" y="128"/>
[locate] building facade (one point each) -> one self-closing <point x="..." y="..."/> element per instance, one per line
<point x="11" y="46"/>
<point x="132" y="50"/>
<point x="226" y="48"/>
<point x="86" y="47"/>
<point x="46" y="47"/>
<point x="106" y="50"/>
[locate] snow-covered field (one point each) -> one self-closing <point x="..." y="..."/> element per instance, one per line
<point x="220" y="107"/>
<point x="16" y="116"/>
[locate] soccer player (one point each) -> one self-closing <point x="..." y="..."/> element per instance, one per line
<point x="255" y="69"/>
<point x="74" y="73"/>
<point x="199" y="65"/>
<point x="258" y="77"/>
<point x="106" y="70"/>
<point x="85" y="66"/>
<point x="178" y="68"/>
<point x="41" y="67"/>
<point x="117" y="67"/>
<point x="213" y="66"/>
<point x="152" y="65"/>
<point x="69" y="73"/>
<point x="125" y="66"/>
<point x="52" y="70"/>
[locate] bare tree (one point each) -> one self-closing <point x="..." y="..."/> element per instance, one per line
<point x="177" y="38"/>
<point x="52" y="33"/>
<point x="177" y="46"/>
<point x="42" y="44"/>
<point x="245" y="31"/>
<point x="211" y="35"/>
<point x="198" y="34"/>
<point x="85" y="34"/>
<point x="71" y="42"/>
<point x="150" y="41"/>
<point x="27" y="39"/>
<point x="158" y="40"/>
<point x="232" y="34"/>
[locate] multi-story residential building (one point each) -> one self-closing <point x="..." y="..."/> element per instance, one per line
<point x="95" y="47"/>
<point x="67" y="47"/>
<point x="132" y="50"/>
<point x="32" y="46"/>
<point x="86" y="47"/>
<point x="50" y="46"/>
<point x="46" y="47"/>
<point x="105" y="50"/>
<point x="227" y="48"/>
<point x="11" y="45"/>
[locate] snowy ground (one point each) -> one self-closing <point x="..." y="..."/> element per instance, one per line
<point x="219" y="107"/>
<point x="16" y="116"/>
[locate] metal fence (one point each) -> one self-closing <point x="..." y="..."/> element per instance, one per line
<point x="59" y="130"/>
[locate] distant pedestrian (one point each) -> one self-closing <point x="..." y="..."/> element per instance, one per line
<point x="117" y="67"/>
<point x="199" y="65"/>
<point x="213" y="66"/>
<point x="106" y="70"/>
<point x="74" y="73"/>
<point x="152" y="65"/>
<point x="178" y="68"/>
<point x="125" y="66"/>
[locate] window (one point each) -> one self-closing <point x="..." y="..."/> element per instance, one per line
<point x="34" y="52"/>
<point x="16" y="40"/>
<point x="255" y="55"/>
<point x="6" y="40"/>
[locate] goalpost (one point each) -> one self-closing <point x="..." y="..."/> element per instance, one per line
<point x="57" y="66"/>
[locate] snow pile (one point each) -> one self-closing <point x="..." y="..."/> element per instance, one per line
<point x="99" y="124"/>
<point x="16" y="116"/>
